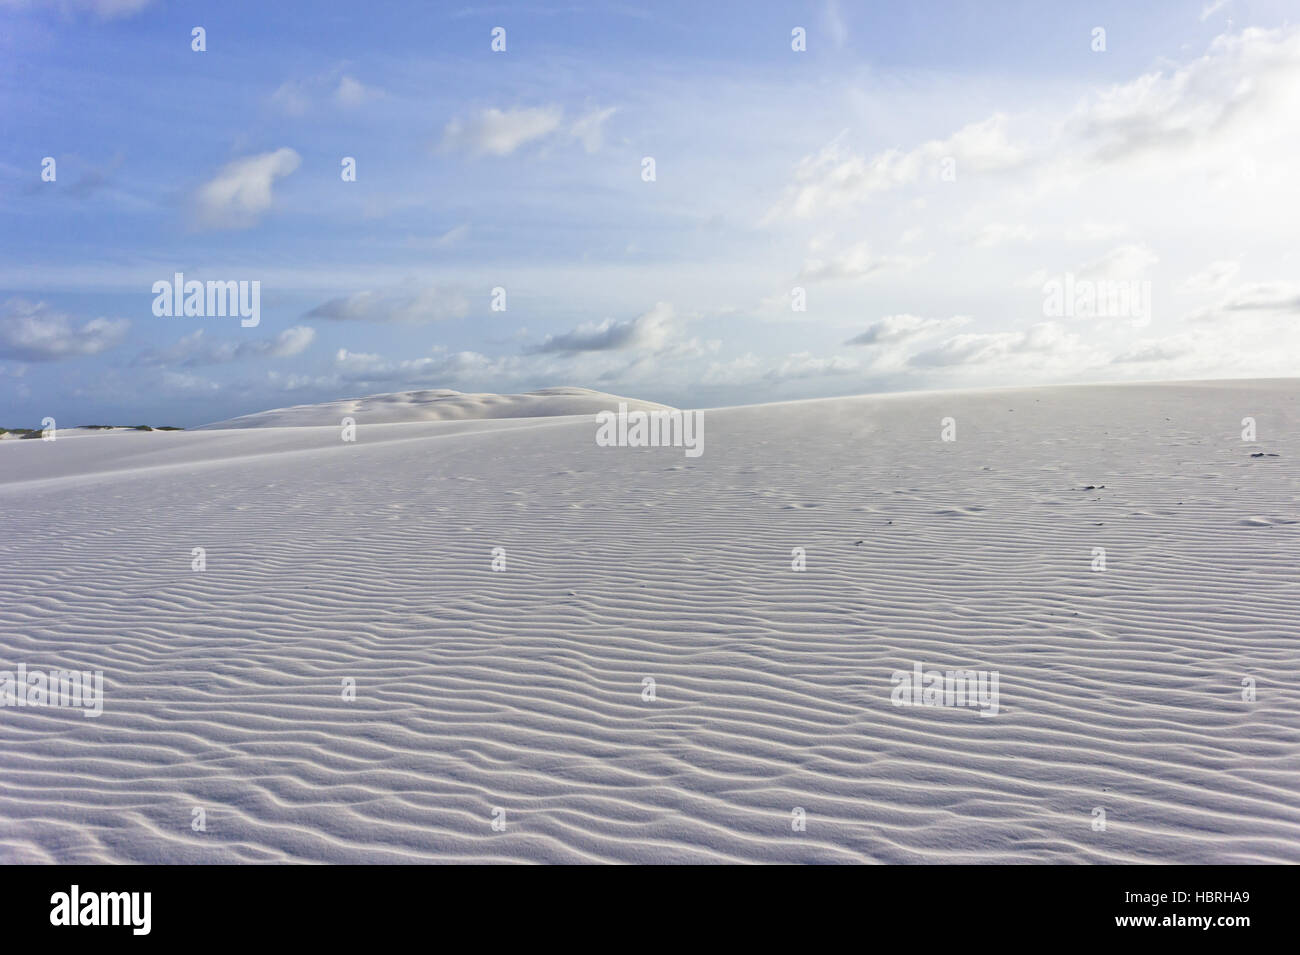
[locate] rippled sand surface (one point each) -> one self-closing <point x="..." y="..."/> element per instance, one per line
<point x="519" y="695"/>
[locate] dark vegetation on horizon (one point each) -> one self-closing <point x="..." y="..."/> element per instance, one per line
<point x="36" y="432"/>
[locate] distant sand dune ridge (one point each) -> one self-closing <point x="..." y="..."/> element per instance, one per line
<point x="439" y="404"/>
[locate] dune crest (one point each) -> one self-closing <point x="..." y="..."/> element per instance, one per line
<point x="437" y="404"/>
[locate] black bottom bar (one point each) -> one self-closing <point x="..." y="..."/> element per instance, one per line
<point x="1225" y="906"/>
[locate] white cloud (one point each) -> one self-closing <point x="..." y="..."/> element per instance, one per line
<point x="650" y="330"/>
<point x="854" y="262"/>
<point x="1267" y="301"/>
<point x="290" y="342"/>
<point x="293" y="97"/>
<point x="1044" y="338"/>
<point x="1151" y="352"/>
<point x="1233" y="96"/>
<point x="352" y="93"/>
<point x="1211" y="8"/>
<point x="899" y="328"/>
<point x="453" y="236"/>
<point x="297" y="97"/>
<point x="31" y="331"/>
<point x="836" y="178"/>
<point x="194" y="349"/>
<point x="359" y="361"/>
<point x="1125" y="262"/>
<point x="431" y="303"/>
<point x="1216" y="277"/>
<point x="738" y="371"/>
<point x="589" y="128"/>
<point x="805" y="365"/>
<point x="241" y="192"/>
<point x="185" y="383"/>
<point x="1277" y="297"/>
<point x="498" y="132"/>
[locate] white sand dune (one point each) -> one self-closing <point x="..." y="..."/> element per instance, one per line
<point x="522" y="690"/>
<point x="438" y="404"/>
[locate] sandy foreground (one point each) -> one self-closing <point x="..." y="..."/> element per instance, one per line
<point x="502" y="715"/>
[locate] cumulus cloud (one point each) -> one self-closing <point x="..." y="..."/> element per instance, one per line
<point x="836" y="178"/>
<point x="1265" y="300"/>
<point x="1223" y="116"/>
<point x="1230" y="92"/>
<point x="1125" y="262"/>
<point x="32" y="331"/>
<point x="650" y="330"/>
<point x="805" y="365"/>
<point x="899" y="328"/>
<point x="182" y="382"/>
<point x="241" y="192"/>
<point x="1215" y="277"/>
<point x="1264" y="297"/>
<point x="854" y="262"/>
<point x="736" y="371"/>
<point x="589" y="128"/>
<point x="1044" y="338"/>
<point x="432" y="303"/>
<point x="1153" y="351"/>
<point x="299" y="96"/>
<point x="293" y="97"/>
<point x="351" y="92"/>
<point x="1211" y="8"/>
<point x="194" y="349"/>
<point x="496" y="132"/>
<point x="290" y="342"/>
<point x="452" y="236"/>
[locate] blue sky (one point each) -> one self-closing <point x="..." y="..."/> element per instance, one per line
<point x="921" y="172"/>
